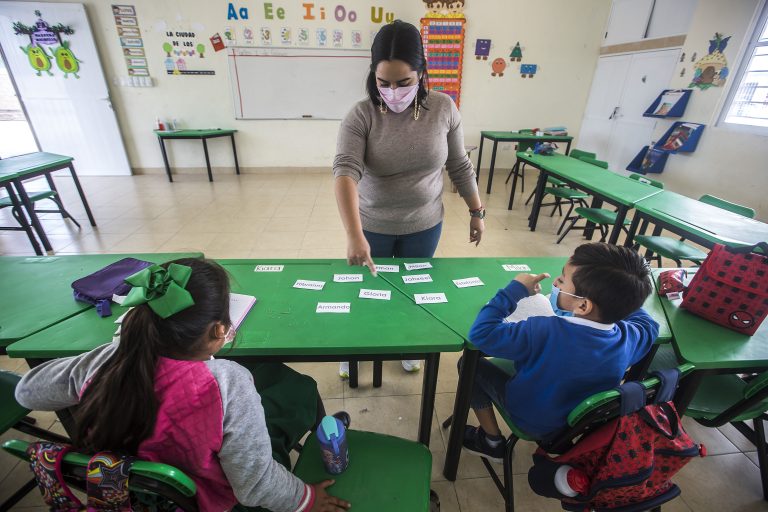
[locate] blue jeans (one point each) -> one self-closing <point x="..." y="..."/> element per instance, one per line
<point x="489" y="386"/>
<point x="416" y="245"/>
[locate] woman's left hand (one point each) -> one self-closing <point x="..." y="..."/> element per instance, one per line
<point x="476" y="228"/>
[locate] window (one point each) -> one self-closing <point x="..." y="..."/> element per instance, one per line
<point x="748" y="104"/>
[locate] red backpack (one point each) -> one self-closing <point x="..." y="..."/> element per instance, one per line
<point x="626" y="464"/>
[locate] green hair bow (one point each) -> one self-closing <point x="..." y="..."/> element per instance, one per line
<point x="162" y="289"/>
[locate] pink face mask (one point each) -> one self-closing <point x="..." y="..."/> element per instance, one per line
<point x="398" y="99"/>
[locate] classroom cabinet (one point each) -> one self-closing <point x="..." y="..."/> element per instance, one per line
<point x="636" y="20"/>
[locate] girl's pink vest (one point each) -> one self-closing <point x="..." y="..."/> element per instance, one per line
<point x="189" y="429"/>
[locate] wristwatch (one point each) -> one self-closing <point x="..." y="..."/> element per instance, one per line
<point x="477" y="212"/>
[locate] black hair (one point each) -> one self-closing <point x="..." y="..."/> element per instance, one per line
<point x="398" y="41"/>
<point x="118" y="409"/>
<point x="615" y="278"/>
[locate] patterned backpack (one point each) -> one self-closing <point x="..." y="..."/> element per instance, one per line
<point x="625" y="465"/>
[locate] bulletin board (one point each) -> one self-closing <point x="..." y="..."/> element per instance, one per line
<point x="443" y="40"/>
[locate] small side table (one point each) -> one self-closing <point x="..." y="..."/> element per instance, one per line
<point x="203" y="135"/>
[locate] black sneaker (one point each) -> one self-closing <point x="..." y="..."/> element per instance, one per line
<point x="476" y="443"/>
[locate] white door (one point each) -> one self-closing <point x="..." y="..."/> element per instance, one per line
<point x="624" y="86"/>
<point x="61" y="83"/>
<point x="628" y="21"/>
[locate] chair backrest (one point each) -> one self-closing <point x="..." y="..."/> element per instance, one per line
<point x="594" y="161"/>
<point x="746" y="211"/>
<point x="577" y="153"/>
<point x="600" y="408"/>
<point x="646" y="180"/>
<point x="146" y="477"/>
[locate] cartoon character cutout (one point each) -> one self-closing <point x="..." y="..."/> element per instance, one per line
<point x="66" y="60"/>
<point x="482" y="49"/>
<point x="528" y="70"/>
<point x="304" y="36"/>
<point x="285" y="35"/>
<point x="38" y="59"/>
<point x="322" y="37"/>
<point x="741" y="319"/>
<point x="266" y="36"/>
<point x="338" y="38"/>
<point x="516" y="55"/>
<point x="712" y="69"/>
<point x="498" y="66"/>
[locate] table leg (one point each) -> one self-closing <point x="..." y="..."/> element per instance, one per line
<point x="428" y="391"/>
<point x="479" y="159"/>
<point x="687" y="390"/>
<point x="620" y="216"/>
<point x="207" y="160"/>
<point x="34" y="220"/>
<point x="82" y="194"/>
<point x="353" y="370"/>
<point x="515" y="170"/>
<point x="490" y="170"/>
<point x="568" y="147"/>
<point x="632" y="230"/>
<point x="19" y="208"/>
<point x="460" y="412"/>
<point x="589" y="227"/>
<point x="538" y="198"/>
<point x="377" y="373"/>
<point x="234" y="152"/>
<point x="165" y="159"/>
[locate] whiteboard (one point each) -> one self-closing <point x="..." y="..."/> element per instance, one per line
<point x="296" y="83"/>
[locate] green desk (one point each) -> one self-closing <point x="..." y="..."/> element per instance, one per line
<point x="37" y="291"/>
<point x="202" y="135"/>
<point x="497" y="137"/>
<point x="464" y="304"/>
<point x="15" y="170"/>
<point x="700" y="222"/>
<point x="711" y="348"/>
<point x="601" y="184"/>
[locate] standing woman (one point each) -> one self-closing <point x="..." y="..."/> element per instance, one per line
<point x="390" y="153"/>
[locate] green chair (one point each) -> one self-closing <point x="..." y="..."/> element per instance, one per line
<point x="590" y="414"/>
<point x="601" y="217"/>
<point x="385" y="473"/>
<point x="564" y="194"/>
<point x="575" y="153"/>
<point x="520" y="170"/>
<point x="660" y="246"/>
<point x="14" y="416"/>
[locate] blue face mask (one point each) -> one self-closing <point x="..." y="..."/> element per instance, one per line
<point x="553" y="301"/>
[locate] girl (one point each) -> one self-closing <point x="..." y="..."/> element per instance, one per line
<point x="159" y="393"/>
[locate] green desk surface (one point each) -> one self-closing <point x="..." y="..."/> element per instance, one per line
<point x="614" y="187"/>
<point x="187" y="134"/>
<point x="37" y="291"/>
<point x="465" y="303"/>
<point x="704" y="220"/>
<point x="284" y="322"/>
<point x="24" y="164"/>
<point x="709" y="346"/>
<point x="520" y="137"/>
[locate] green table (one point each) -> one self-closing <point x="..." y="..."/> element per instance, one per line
<point x="700" y="222"/>
<point x="202" y="135"/>
<point x="513" y="136"/>
<point x="711" y="348"/>
<point x="15" y="170"/>
<point x="37" y="291"/>
<point x="601" y="184"/>
<point x="464" y="304"/>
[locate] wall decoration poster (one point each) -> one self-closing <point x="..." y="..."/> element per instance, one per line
<point x="248" y="36"/>
<point x="322" y="37"/>
<point x="47" y="47"/>
<point x="443" y="39"/>
<point x="266" y="36"/>
<point x="229" y="37"/>
<point x="303" y="36"/>
<point x="217" y="43"/>
<point x="128" y="31"/>
<point x="338" y="38"/>
<point x="286" y="35"/>
<point x="357" y="39"/>
<point x="712" y="69"/>
<point x="498" y="66"/>
<point x="185" y="53"/>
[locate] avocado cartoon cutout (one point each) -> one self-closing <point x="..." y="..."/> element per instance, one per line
<point x="66" y="60"/>
<point x="42" y="35"/>
<point x="38" y="59"/>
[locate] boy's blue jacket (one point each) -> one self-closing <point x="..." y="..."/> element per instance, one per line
<point x="560" y="361"/>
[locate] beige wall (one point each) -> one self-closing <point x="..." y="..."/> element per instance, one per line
<point x="561" y="36"/>
<point x="727" y="163"/>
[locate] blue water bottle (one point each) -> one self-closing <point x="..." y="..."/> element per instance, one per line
<point x="333" y="445"/>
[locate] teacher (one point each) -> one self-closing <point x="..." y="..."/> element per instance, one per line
<point x="390" y="153"/>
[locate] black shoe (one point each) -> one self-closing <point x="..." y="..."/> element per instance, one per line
<point x="476" y="443"/>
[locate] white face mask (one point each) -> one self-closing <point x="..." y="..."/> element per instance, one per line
<point x="398" y="99"/>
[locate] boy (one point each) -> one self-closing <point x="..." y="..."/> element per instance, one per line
<point x="598" y="331"/>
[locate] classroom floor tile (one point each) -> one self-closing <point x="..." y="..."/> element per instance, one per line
<point x="293" y="215"/>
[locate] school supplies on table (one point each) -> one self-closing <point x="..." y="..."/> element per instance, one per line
<point x="239" y="306"/>
<point x="672" y="281"/>
<point x="99" y="288"/>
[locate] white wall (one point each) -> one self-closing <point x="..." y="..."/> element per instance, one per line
<point x="727" y="163"/>
<point x="561" y="36"/>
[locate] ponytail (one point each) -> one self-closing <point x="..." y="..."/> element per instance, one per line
<point x="118" y="408"/>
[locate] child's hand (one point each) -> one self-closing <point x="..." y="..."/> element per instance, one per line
<point x="324" y="502"/>
<point x="532" y="282"/>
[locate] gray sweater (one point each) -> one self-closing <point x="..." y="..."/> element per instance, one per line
<point x="246" y="452"/>
<point x="397" y="163"/>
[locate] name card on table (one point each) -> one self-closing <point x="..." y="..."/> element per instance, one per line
<point x="375" y="294"/>
<point x="309" y="285"/>
<point x="332" y="307"/>
<point x="387" y="268"/>
<point x="516" y="268"/>
<point x="347" y="278"/>
<point x="269" y="268"/>
<point x="467" y="282"/>
<point x="429" y="298"/>
<point x="417" y="278"/>
<point x="417" y="266"/>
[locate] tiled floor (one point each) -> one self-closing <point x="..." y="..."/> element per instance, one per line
<point x="293" y="215"/>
